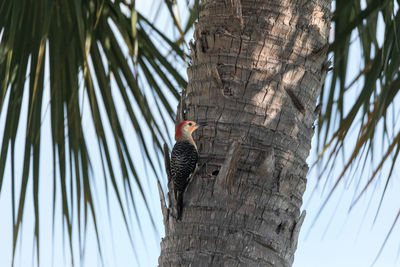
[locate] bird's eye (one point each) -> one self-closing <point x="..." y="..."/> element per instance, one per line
<point x="190" y="124"/>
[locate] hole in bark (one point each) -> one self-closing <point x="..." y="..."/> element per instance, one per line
<point x="279" y="228"/>
<point x="215" y="173"/>
<point x="227" y="92"/>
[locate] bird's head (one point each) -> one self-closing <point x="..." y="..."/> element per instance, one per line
<point x="185" y="129"/>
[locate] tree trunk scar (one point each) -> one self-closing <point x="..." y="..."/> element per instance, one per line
<point x="267" y="166"/>
<point x="181" y="109"/>
<point x="192" y="45"/>
<point x="247" y="83"/>
<point x="164" y="208"/>
<point x="239" y="52"/>
<point x="217" y="77"/>
<point x="320" y="52"/>
<point x="237" y="10"/>
<point x="229" y="167"/>
<point x="203" y="40"/>
<point x="296" y="229"/>
<point x="167" y="162"/>
<point x="295" y="100"/>
<point x="259" y="54"/>
<point x="171" y="196"/>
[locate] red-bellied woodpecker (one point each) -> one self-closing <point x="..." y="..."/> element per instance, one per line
<point x="183" y="160"/>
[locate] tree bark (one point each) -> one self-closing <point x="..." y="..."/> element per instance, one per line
<point x="257" y="70"/>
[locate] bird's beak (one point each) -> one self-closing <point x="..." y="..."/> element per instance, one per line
<point x="201" y="124"/>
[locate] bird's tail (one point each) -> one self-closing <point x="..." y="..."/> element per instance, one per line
<point x="179" y="204"/>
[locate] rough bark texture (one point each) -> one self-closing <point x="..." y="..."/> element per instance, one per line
<point x="257" y="70"/>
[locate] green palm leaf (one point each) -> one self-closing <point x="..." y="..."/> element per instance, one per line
<point x="369" y="115"/>
<point x="84" y="44"/>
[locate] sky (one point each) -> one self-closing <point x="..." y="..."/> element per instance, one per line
<point x="337" y="238"/>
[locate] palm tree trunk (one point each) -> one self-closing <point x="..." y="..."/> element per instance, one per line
<point x="257" y="70"/>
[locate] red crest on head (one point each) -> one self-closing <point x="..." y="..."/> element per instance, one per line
<point x="178" y="131"/>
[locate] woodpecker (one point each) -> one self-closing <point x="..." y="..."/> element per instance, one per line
<point x="183" y="160"/>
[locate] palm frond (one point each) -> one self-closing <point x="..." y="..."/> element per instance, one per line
<point x="368" y="113"/>
<point x="87" y="46"/>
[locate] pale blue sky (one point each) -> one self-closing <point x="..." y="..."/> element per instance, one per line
<point x="338" y="238"/>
